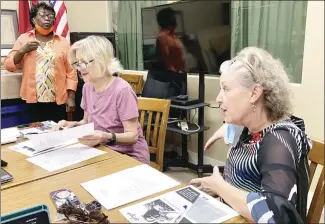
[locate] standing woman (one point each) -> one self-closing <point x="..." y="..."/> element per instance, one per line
<point x="49" y="82"/>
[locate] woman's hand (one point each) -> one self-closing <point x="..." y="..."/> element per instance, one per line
<point x="66" y="124"/>
<point x="211" y="141"/>
<point x="97" y="138"/>
<point x="220" y="133"/>
<point x="30" y="46"/>
<point x="209" y="184"/>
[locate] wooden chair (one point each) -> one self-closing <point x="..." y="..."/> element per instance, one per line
<point x="153" y="121"/>
<point x="136" y="82"/>
<point x="316" y="156"/>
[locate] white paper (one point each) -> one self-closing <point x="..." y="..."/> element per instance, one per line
<point x="128" y="185"/>
<point x="9" y="135"/>
<point x="186" y="205"/>
<point x="47" y="126"/>
<point x="27" y="147"/>
<point x="48" y="140"/>
<point x="64" y="157"/>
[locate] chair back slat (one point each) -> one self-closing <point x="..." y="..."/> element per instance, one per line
<point x="148" y="132"/>
<point x="153" y="121"/>
<point x="316" y="156"/>
<point x="155" y="130"/>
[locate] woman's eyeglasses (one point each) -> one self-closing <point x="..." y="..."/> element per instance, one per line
<point x="49" y="17"/>
<point x="81" y="66"/>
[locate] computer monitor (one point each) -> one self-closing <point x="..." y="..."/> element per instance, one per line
<point x="192" y="36"/>
<point x="164" y="84"/>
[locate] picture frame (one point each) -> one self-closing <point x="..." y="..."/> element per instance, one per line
<point x="9" y="28"/>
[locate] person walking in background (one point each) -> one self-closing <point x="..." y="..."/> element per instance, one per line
<point x="49" y="82"/>
<point x="169" y="47"/>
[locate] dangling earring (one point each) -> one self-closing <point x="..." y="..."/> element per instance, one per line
<point x="254" y="107"/>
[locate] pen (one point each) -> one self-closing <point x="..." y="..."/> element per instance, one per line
<point x="31" y="133"/>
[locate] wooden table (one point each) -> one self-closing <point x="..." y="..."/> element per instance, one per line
<point x="38" y="192"/>
<point x="24" y="171"/>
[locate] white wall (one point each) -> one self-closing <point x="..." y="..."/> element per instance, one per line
<point x="89" y="16"/>
<point x="13" y="5"/>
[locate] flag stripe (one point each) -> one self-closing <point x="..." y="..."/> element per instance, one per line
<point x="59" y="16"/>
<point x="65" y="30"/>
<point x="61" y="26"/>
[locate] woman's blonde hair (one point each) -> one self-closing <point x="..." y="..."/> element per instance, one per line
<point x="255" y="65"/>
<point x="99" y="49"/>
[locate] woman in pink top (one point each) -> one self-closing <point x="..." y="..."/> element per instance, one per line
<point x="108" y="101"/>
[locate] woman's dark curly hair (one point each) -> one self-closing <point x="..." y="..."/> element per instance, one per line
<point x="166" y="18"/>
<point x="34" y="10"/>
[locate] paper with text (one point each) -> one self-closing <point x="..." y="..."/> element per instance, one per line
<point x="48" y="140"/>
<point x="27" y="149"/>
<point x="185" y="205"/>
<point x="128" y="185"/>
<point x="64" y="157"/>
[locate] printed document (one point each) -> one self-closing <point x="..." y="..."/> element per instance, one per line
<point x="27" y="147"/>
<point x="64" y="157"/>
<point x="37" y="127"/>
<point x="186" y="205"/>
<point x="51" y="139"/>
<point x="128" y="185"/>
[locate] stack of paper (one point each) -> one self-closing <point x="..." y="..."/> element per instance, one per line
<point x="27" y="147"/>
<point x="128" y="185"/>
<point x="40" y="143"/>
<point x="67" y="156"/>
<point x="37" y="128"/>
<point x="9" y="135"/>
<point x="48" y="140"/>
<point x="58" y="149"/>
<point x="186" y="205"/>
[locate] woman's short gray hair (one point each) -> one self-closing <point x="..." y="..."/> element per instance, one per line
<point x="255" y="65"/>
<point x="99" y="49"/>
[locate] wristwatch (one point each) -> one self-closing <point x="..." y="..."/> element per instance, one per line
<point x="112" y="141"/>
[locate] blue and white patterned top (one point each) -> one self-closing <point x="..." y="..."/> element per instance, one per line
<point x="268" y="165"/>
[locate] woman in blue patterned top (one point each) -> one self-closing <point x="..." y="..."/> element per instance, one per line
<point x="266" y="174"/>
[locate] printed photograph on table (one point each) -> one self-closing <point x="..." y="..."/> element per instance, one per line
<point x="153" y="211"/>
<point x="186" y="205"/>
<point x="158" y="211"/>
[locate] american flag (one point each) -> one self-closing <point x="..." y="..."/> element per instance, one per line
<point x="61" y="26"/>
